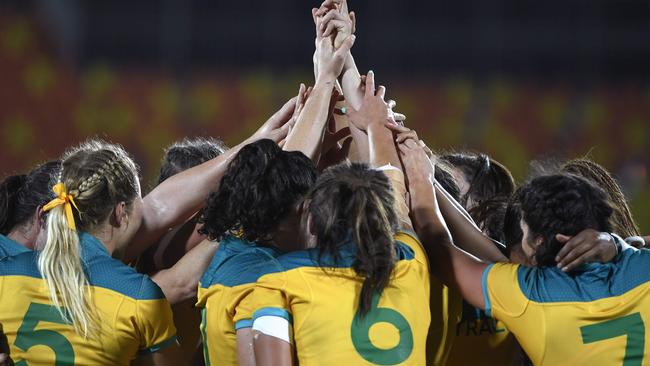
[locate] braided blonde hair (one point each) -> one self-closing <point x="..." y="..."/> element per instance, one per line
<point x="98" y="175"/>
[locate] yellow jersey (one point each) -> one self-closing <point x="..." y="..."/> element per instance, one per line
<point x="597" y="316"/>
<point x="319" y="296"/>
<point x="446" y="308"/>
<point x="9" y="247"/>
<point x="479" y="339"/>
<point x="133" y="314"/>
<point x="231" y="277"/>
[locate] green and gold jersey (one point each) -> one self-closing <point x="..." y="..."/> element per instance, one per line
<point x="134" y="316"/>
<point x="599" y="315"/>
<point x="319" y="295"/>
<point x="229" y="279"/>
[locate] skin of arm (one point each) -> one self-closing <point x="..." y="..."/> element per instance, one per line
<point x="452" y="265"/>
<point x="587" y="246"/>
<point x="307" y="134"/>
<point x="463" y="230"/>
<point x="245" y="347"/>
<point x="179" y="197"/>
<point x="176" y="243"/>
<point x="373" y="117"/>
<point x="272" y="351"/>
<point x="383" y="152"/>
<point x="466" y="235"/>
<point x="351" y="85"/>
<point x="180" y="282"/>
<point x="5" y="360"/>
<point x="350" y="78"/>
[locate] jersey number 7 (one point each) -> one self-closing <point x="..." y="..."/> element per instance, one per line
<point x="630" y="326"/>
<point x="28" y="336"/>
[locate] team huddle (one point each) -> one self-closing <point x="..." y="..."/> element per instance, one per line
<point x="331" y="236"/>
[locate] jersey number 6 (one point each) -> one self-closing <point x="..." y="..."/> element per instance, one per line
<point x="28" y="336"/>
<point x="361" y="335"/>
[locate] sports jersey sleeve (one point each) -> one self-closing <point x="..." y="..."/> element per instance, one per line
<point x="155" y="321"/>
<point x="244" y="311"/>
<point x="501" y="291"/>
<point x="411" y="240"/>
<point x="269" y="299"/>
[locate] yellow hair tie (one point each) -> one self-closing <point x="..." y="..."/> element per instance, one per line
<point x="63" y="199"/>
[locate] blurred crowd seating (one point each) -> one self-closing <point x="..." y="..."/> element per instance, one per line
<point x="47" y="105"/>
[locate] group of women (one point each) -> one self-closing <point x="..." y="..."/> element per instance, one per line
<point x="333" y="235"/>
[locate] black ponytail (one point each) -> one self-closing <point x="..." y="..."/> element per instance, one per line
<point x="9" y="191"/>
<point x="21" y="195"/>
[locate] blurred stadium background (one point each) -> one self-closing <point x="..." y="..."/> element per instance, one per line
<point x="521" y="80"/>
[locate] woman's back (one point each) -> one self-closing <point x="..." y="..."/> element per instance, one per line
<point x="9" y="247"/>
<point x="230" y="278"/>
<point x="321" y="296"/>
<point x="594" y="317"/>
<point x="134" y="316"/>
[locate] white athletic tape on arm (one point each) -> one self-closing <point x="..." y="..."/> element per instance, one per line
<point x="273" y="326"/>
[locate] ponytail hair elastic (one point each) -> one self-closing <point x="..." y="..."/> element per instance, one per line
<point x="65" y="199"/>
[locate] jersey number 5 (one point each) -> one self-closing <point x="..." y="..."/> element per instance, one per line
<point x="361" y="335"/>
<point x="630" y="326"/>
<point x="28" y="336"/>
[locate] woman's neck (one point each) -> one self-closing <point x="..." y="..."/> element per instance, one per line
<point x="106" y="237"/>
<point x="24" y="236"/>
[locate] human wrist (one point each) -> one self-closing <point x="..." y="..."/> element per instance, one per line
<point x="375" y="125"/>
<point x="325" y="77"/>
<point x="421" y="186"/>
<point x="348" y="65"/>
<point x="616" y="242"/>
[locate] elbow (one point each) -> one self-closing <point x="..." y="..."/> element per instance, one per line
<point x="182" y="291"/>
<point x="188" y="291"/>
<point x="175" y="290"/>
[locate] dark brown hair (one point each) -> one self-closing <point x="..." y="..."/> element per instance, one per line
<point x="621" y="219"/>
<point x="352" y="201"/>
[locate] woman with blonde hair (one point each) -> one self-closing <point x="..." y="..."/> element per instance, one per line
<point x="72" y="303"/>
<point x="93" y="309"/>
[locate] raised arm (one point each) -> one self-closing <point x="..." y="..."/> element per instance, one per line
<point x="307" y="134"/>
<point x="452" y="265"/>
<point x="338" y="23"/>
<point x="372" y="117"/>
<point x="180" y="282"/>
<point x="182" y="195"/>
<point x="466" y="235"/>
